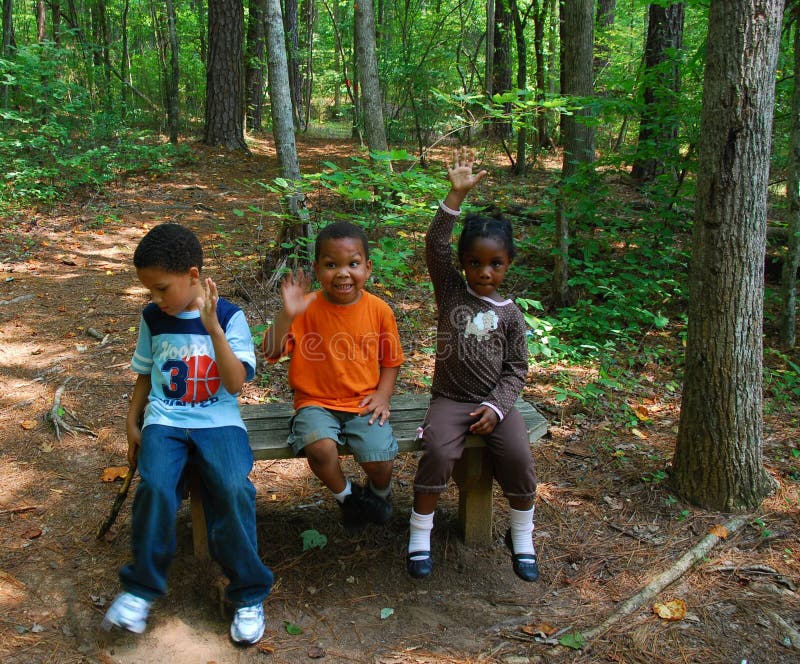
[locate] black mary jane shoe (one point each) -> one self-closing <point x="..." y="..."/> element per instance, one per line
<point x="525" y="566"/>
<point x="420" y="568"/>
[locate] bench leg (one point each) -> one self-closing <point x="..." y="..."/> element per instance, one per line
<point x="199" y="535"/>
<point x="473" y="475"/>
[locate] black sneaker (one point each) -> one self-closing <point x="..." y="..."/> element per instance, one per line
<point x="376" y="509"/>
<point x="353" y="517"/>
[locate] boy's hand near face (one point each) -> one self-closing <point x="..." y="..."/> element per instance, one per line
<point x="293" y="293"/>
<point x="207" y="304"/>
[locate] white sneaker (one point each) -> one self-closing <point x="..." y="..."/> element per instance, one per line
<point x="128" y="612"/>
<point x="248" y="624"/>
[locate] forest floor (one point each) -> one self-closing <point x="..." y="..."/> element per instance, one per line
<point x="606" y="523"/>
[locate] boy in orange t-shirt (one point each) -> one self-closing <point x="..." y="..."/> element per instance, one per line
<point x="345" y="357"/>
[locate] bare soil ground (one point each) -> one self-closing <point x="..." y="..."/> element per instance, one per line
<point x="602" y="531"/>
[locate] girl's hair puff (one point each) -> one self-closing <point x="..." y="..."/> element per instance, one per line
<point x="490" y="223"/>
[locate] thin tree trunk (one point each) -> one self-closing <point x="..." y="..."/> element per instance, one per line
<point x="660" y="121"/>
<point x="173" y="78"/>
<point x="256" y="63"/>
<point x="718" y="458"/>
<point x="792" y="259"/>
<point x="296" y="225"/>
<point x="578" y="137"/>
<point x="372" y="98"/>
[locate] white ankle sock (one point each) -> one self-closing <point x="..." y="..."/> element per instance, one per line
<point x="521" y="523"/>
<point x="348" y="489"/>
<point x="419" y="538"/>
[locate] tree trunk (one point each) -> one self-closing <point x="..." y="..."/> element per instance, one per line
<point x="577" y="18"/>
<point x="539" y="12"/>
<point x="173" y="77"/>
<point x="224" y="122"/>
<point x="717" y="463"/>
<point x="792" y="259"/>
<point x="521" y="165"/>
<point x="7" y="45"/>
<point x="55" y="12"/>
<point x="256" y="62"/>
<point x="293" y="59"/>
<point x="489" y="76"/>
<point x="124" y="58"/>
<point x="501" y="63"/>
<point x="660" y="120"/>
<point x="371" y="96"/>
<point x="604" y="21"/>
<point x="296" y="224"/>
<point x="41" y="21"/>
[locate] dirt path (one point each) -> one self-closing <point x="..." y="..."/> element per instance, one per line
<point x="601" y="531"/>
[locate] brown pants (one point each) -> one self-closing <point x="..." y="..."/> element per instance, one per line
<point x="444" y="432"/>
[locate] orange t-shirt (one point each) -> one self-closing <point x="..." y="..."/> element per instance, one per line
<point x="338" y="351"/>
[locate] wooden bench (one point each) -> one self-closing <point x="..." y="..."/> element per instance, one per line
<point x="268" y="428"/>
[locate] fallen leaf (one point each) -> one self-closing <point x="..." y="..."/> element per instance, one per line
<point x="573" y="640"/>
<point x="641" y="413"/>
<point x="32" y="533"/>
<point x="291" y="628"/>
<point x="542" y="629"/>
<point x="639" y="434"/>
<point x="114" y="473"/>
<point x="28" y="424"/>
<point x="719" y="531"/>
<point x="674" y="609"/>
<point x="316" y="653"/>
<point x="263" y="646"/>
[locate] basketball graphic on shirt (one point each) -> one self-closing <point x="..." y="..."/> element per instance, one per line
<point x="202" y="378"/>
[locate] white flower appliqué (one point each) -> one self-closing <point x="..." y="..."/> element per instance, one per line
<point x="480" y="326"/>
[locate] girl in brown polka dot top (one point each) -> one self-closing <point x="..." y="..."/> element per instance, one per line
<point x="480" y="370"/>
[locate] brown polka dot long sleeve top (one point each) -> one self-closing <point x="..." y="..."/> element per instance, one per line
<point x="481" y="346"/>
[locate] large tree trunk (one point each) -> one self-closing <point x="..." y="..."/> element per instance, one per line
<point x="296" y="226"/>
<point x="255" y="64"/>
<point x="660" y="120"/>
<point x="717" y="462"/>
<point x="371" y="96"/>
<point x="225" y="76"/>
<point x="577" y="31"/>
<point x="792" y="259"/>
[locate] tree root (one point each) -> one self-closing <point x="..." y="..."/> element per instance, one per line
<point x="63" y="418"/>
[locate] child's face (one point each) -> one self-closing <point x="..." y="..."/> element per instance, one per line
<point x="485" y="264"/>
<point x="172" y="292"/>
<point x="342" y="269"/>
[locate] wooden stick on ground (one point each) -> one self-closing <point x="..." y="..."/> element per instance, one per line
<point x="120" y="498"/>
<point x="656" y="585"/>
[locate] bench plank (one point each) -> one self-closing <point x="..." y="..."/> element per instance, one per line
<point x="268" y="430"/>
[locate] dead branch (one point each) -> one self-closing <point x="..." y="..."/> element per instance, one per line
<point x="63" y="418"/>
<point x="118" y="501"/>
<point x="656" y="585"/>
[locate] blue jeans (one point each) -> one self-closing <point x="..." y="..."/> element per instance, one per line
<point x="223" y="459"/>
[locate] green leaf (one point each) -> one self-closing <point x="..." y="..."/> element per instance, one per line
<point x="238" y="213"/>
<point x="573" y="640"/>
<point x="386" y="612"/>
<point x="291" y="628"/>
<point x="313" y="539"/>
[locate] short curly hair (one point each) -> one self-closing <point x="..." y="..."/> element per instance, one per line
<point x="171" y="247"/>
<point x="339" y="230"/>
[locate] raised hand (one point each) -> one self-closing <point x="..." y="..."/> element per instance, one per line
<point x="293" y="293"/>
<point x="461" y="176"/>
